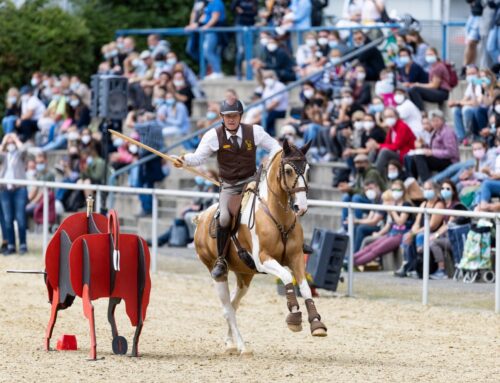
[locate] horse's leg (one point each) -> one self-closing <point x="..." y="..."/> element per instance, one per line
<point x="240" y="290"/>
<point x="53" y="317"/>
<point x="294" y="318"/>
<point x="297" y="266"/>
<point x="222" y="288"/>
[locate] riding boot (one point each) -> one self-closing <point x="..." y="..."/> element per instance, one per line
<point x="220" y="268"/>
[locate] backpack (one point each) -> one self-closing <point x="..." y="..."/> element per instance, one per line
<point x="452" y="73"/>
<point x="477" y="247"/>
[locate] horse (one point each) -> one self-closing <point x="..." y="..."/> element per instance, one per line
<point x="274" y="240"/>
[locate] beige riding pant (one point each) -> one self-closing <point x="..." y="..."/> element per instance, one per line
<point x="229" y="200"/>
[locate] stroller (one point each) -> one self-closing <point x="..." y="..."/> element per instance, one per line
<point x="476" y="263"/>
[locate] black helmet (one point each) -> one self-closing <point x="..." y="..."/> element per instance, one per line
<point x="227" y="108"/>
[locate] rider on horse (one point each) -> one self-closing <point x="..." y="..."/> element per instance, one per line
<point x="236" y="146"/>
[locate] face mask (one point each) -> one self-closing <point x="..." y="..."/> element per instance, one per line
<point x="211" y="115"/>
<point x="368" y="125"/>
<point x="403" y="60"/>
<point x="86" y="139"/>
<point x="310" y="42"/>
<point x="179" y="83"/>
<point x="46" y="83"/>
<point x="158" y="101"/>
<point x="74" y="102"/>
<point x="347" y="100"/>
<point x="89" y="160"/>
<point x="151" y="47"/>
<point x="56" y="97"/>
<point x="390" y="122"/>
<point x="30" y="173"/>
<point x="371" y="194"/>
<point x="199" y="180"/>
<point x="392" y="175"/>
<point x="478" y="153"/>
<point x="446" y="194"/>
<point x="360" y="76"/>
<point x="308" y="93"/>
<point x="358" y="125"/>
<point x="334" y="60"/>
<point x="47" y="92"/>
<point x="120" y="46"/>
<point x="133" y="149"/>
<point x="136" y="62"/>
<point x="40" y="167"/>
<point x="12" y="100"/>
<point x="172" y="61"/>
<point x="471" y="79"/>
<point x="431" y="59"/>
<point x="73" y="136"/>
<point x="376" y="108"/>
<point x="113" y="53"/>
<point x="264" y="41"/>
<point x="333" y="44"/>
<point x="159" y="64"/>
<point x="323" y="41"/>
<point x="117" y="142"/>
<point x="485" y="80"/>
<point x="269" y="82"/>
<point x="272" y="47"/>
<point x="11" y="147"/>
<point x="497" y="109"/>
<point x="397" y="195"/>
<point x="399" y="98"/>
<point x="74" y="86"/>
<point x="429" y="194"/>
<point x="34" y="82"/>
<point x="170" y="101"/>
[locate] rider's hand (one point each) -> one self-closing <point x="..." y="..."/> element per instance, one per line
<point x="179" y="162"/>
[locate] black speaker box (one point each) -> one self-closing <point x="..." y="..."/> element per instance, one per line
<point x="109" y="96"/>
<point x="325" y="263"/>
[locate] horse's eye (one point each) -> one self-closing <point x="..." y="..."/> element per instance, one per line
<point x="289" y="172"/>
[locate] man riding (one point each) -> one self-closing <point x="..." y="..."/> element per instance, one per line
<point x="236" y="146"/>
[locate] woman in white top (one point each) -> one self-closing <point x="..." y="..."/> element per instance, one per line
<point x="409" y="112"/>
<point x="305" y="53"/>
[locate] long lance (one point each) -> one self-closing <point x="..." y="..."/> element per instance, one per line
<point x="162" y="155"/>
<point x="26" y="272"/>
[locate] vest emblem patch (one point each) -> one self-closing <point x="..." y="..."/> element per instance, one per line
<point x="227" y="146"/>
<point x="249" y="145"/>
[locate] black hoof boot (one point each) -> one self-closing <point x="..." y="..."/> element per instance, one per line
<point x="220" y="269"/>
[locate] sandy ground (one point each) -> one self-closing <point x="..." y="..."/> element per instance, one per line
<point x="370" y="340"/>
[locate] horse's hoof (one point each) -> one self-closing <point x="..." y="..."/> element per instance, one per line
<point x="232" y="350"/>
<point x="246" y="353"/>
<point x="295" y="327"/>
<point x="319" y="332"/>
<point x="318" y="328"/>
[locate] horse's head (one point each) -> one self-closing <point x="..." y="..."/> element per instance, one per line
<point x="293" y="176"/>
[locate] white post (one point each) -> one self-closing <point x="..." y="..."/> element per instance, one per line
<point x="497" y="266"/>
<point x="98" y="201"/>
<point x="45" y="218"/>
<point x="425" y="287"/>
<point x="350" y="231"/>
<point x="154" y="233"/>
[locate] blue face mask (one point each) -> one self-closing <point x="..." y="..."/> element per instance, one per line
<point x="485" y="80"/>
<point x="89" y="160"/>
<point x="40" y="167"/>
<point x="158" y="101"/>
<point x="375" y="108"/>
<point x="208" y="183"/>
<point x="429" y="194"/>
<point x="403" y="60"/>
<point x="211" y="115"/>
<point x="170" y="101"/>
<point x="431" y="59"/>
<point x="446" y="194"/>
<point x="200" y="181"/>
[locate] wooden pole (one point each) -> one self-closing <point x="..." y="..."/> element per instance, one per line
<point x="162" y="155"/>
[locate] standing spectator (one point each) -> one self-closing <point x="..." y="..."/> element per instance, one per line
<point x="245" y="12"/>
<point x="214" y="15"/>
<point x="371" y="59"/>
<point x="301" y="11"/>
<point x="13" y="198"/>
<point x="472" y="34"/>
<point x="32" y="109"/>
<point x="277" y="106"/>
<point x="371" y="11"/>
<point x="192" y="45"/>
<point x="43" y="173"/>
<point x="12" y="111"/>
<point x="443" y="150"/>
<point x="317" y="12"/>
<point x="438" y="88"/>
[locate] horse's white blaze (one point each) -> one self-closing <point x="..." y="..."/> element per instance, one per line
<point x="301" y="197"/>
<point x="305" y="290"/>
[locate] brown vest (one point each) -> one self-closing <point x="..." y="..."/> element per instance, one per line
<point x="236" y="165"/>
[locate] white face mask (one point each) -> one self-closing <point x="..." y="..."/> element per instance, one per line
<point x="86" y="139"/>
<point x="347" y="100"/>
<point x="264" y="41"/>
<point x="179" y="83"/>
<point x="371" y="194"/>
<point x="272" y="47"/>
<point x="399" y="98"/>
<point x="269" y="82"/>
<point x="360" y="76"/>
<point x="397" y="195"/>
<point x="323" y="41"/>
<point x="12" y="100"/>
<point x="133" y="149"/>
<point x="497" y="109"/>
<point x="390" y="122"/>
<point x="310" y="42"/>
<point x="308" y="93"/>
<point x="73" y="136"/>
<point x="358" y="125"/>
<point x="11" y="147"/>
<point x="368" y="125"/>
<point x="393" y="175"/>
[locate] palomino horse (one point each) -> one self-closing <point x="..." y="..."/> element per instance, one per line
<point x="275" y="240"/>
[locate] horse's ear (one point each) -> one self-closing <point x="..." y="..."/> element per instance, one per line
<point x="306" y="147"/>
<point x="286" y="147"/>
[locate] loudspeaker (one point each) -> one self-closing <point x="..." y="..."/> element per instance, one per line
<point x="109" y="96"/>
<point x="325" y="263"/>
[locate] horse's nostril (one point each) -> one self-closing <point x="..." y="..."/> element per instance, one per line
<point x="295" y="208"/>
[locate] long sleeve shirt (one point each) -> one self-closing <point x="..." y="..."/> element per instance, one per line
<point x="209" y="145"/>
<point x="444" y="144"/>
<point x="400" y="139"/>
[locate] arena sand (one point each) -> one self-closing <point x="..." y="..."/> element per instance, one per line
<point x="182" y="341"/>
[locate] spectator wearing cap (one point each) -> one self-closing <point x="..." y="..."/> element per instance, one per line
<point x="365" y="172"/>
<point x="441" y="153"/>
<point x="371" y="59"/>
<point x="408" y="112"/>
<point x="277" y="106"/>
<point x="398" y="141"/>
<point x="32" y="109"/>
<point x="409" y="71"/>
<point x="438" y="89"/>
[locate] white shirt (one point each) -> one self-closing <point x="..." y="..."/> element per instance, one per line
<point x="410" y="114"/>
<point x="473" y="92"/>
<point x="282" y="98"/>
<point x="210" y="144"/>
<point x="32" y="103"/>
<point x="304" y="53"/>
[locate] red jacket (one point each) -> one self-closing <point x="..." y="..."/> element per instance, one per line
<point x="403" y="142"/>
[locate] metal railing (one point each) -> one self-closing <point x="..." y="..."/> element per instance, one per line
<point x="427" y="212"/>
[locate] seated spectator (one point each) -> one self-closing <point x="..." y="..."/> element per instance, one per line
<point x="12" y="111"/>
<point x="371" y="59"/>
<point x="361" y="91"/>
<point x="157" y="45"/>
<point x="398" y="141"/>
<point x="93" y="170"/>
<point x="174" y="65"/>
<point x="372" y="131"/>
<point x="335" y="42"/>
<point x="182" y="90"/>
<point x="489" y="91"/>
<point x="277" y="59"/>
<point x="409" y="71"/>
<point x="305" y="53"/>
<point x="376" y="108"/>
<point x="53" y="116"/>
<point x="438" y="88"/>
<point x="81" y="111"/>
<point x="173" y="116"/>
<point x="57" y="137"/>
<point x="408" y="112"/>
<point x="277" y="106"/>
<point x="43" y="173"/>
<point x="384" y="87"/>
<point x="32" y="109"/>
<point x="347" y="105"/>
<point x="388" y="238"/>
<point x="364" y="227"/>
<point x="442" y="152"/>
<point x="81" y="89"/>
<point x="413" y="240"/>
<point x="354" y="192"/>
<point x="419" y="47"/>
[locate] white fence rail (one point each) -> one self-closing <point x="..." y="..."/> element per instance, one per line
<point x="427" y="212"/>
